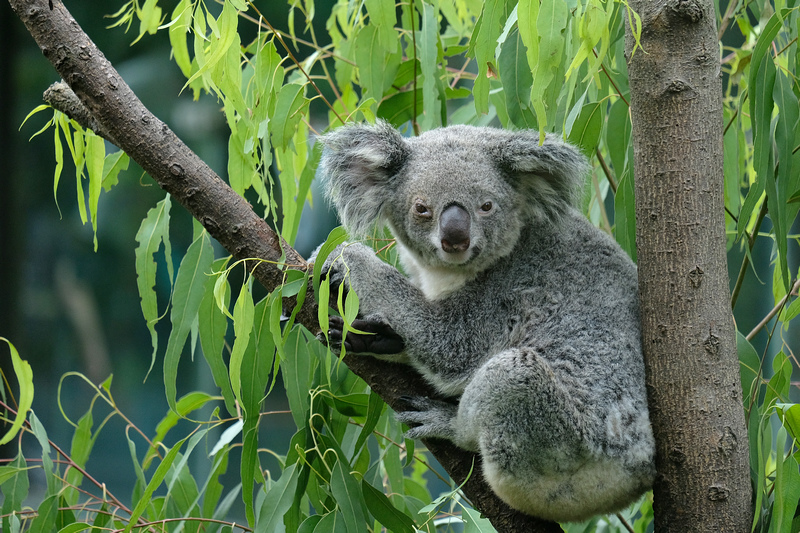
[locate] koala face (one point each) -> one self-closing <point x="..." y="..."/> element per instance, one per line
<point x="454" y="209"/>
<point x="455" y="198"/>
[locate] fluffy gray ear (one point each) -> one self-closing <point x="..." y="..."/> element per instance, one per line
<point x="359" y="169"/>
<point x="551" y="175"/>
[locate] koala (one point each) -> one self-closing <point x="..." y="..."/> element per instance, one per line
<point x="512" y="305"/>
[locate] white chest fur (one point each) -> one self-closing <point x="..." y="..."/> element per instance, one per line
<point x="434" y="282"/>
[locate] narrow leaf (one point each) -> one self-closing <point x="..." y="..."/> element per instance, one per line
<point x="24" y="375"/>
<point x="153" y="230"/>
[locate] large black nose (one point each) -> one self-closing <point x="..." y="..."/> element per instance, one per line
<point x="454" y="229"/>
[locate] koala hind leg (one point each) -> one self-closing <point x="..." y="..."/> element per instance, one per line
<point x="529" y="433"/>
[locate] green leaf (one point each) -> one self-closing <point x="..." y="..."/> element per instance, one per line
<point x="399" y="108"/>
<point x="428" y="53"/>
<point x="290" y="107"/>
<point x="152" y="232"/>
<point x="349" y="498"/>
<point x="181" y="21"/>
<point x="351" y="405"/>
<point x="517" y="79"/>
<point x="186" y="297"/>
<point x="243" y="315"/>
<point x="255" y="367"/>
<point x="483" y="43"/>
<point x="223" y="36"/>
<point x="155" y="482"/>
<point x="212" y="327"/>
<point x="789" y="414"/>
<point x="625" y="214"/>
<point x="149" y="18"/>
<point x="787" y="487"/>
<point x="376" y="67"/>
<point x="187" y="404"/>
<point x="14" y="487"/>
<point x="749" y="368"/>
<point x="761" y="104"/>
<point x="375" y="408"/>
<point x="45" y="521"/>
<point x="618" y="135"/>
<point x="249" y="468"/>
<point x="82" y="443"/>
<point x="112" y="166"/>
<point x="778" y="386"/>
<point x="297" y="371"/>
<point x="47" y="461"/>
<point x="24" y="375"/>
<point x="787" y="180"/>
<point x="587" y="128"/>
<point x="332" y="522"/>
<point x="384" y="512"/>
<point x="474" y="522"/>
<point x="75" y="528"/>
<point x="280" y="498"/>
<point x="95" y="161"/>
<point x="550" y="24"/>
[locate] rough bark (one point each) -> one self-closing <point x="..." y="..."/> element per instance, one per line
<point x="115" y="111"/>
<point x="689" y="337"/>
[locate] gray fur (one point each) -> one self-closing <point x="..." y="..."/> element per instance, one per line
<point x="533" y="330"/>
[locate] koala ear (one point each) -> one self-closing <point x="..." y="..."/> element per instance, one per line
<point x="551" y="174"/>
<point x="359" y="169"/>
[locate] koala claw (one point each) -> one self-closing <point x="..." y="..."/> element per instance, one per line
<point x="428" y="417"/>
<point x="378" y="338"/>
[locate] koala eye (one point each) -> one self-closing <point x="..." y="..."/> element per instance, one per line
<point x="487" y="206"/>
<point x="421" y="209"/>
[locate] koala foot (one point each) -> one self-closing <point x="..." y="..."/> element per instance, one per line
<point x="378" y="338"/>
<point x="428" y="418"/>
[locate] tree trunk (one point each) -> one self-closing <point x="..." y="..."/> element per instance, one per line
<point x="689" y="339"/>
<point x="116" y="113"/>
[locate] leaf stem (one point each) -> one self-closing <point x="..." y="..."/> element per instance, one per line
<point x="751" y="239"/>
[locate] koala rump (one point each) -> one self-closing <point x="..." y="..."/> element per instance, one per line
<point x="511" y="303"/>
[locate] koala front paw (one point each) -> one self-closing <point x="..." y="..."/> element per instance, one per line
<point x="335" y="269"/>
<point x="428" y="418"/>
<point x="378" y="337"/>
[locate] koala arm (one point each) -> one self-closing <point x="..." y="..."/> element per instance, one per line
<point x="444" y="339"/>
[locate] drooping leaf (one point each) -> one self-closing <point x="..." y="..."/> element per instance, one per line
<point x="348" y="497"/>
<point x="24" y="375"/>
<point x="213" y="325"/>
<point x="280" y="497"/>
<point x="516" y="76"/>
<point x="152" y="232"/>
<point x="384" y="512"/>
<point x="186" y="297"/>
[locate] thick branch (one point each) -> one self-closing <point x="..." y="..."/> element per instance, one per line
<point x="688" y="334"/>
<point x="113" y="111"/>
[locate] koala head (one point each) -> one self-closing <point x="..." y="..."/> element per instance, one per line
<point x="457" y="197"/>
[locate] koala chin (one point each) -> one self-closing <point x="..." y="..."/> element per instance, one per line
<point x="513" y="305"/>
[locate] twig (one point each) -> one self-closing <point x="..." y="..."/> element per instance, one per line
<point x="607" y="171"/>
<point x="297" y="63"/>
<point x="775" y="310"/>
<point x="751" y="239"/>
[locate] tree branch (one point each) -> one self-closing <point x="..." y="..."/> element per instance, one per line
<point x="113" y="111"/>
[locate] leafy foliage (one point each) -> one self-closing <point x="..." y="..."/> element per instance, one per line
<point x="552" y="65"/>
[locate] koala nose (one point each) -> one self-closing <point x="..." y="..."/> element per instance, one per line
<point x="454" y="229"/>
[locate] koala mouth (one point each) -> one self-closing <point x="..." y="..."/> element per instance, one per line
<point x="457" y="258"/>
